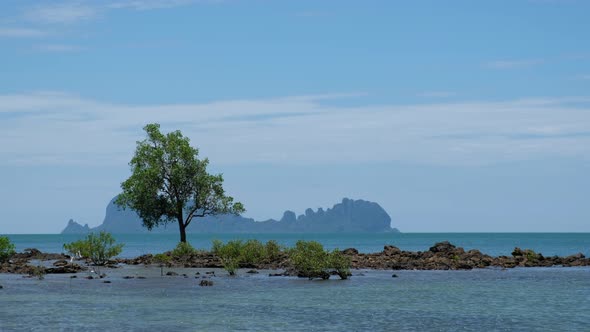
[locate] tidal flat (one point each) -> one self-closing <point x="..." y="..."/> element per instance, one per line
<point x="490" y="299"/>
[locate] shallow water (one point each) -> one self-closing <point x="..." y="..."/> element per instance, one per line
<point x="522" y="299"/>
<point x="494" y="244"/>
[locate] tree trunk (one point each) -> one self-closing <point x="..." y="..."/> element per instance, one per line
<point x="182" y="229"/>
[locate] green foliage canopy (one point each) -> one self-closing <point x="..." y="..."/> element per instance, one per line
<point x="311" y="260"/>
<point x="99" y="248"/>
<point x="6" y="248"/>
<point x="169" y="183"/>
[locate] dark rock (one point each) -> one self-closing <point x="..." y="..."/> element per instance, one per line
<point x="70" y="268"/>
<point x="59" y="263"/>
<point x="1" y="287"/>
<point x="171" y="273"/>
<point x="444" y="247"/>
<point x="210" y="272"/>
<point x="141" y="277"/>
<point x="89" y="277"/>
<point x="206" y="283"/>
<point x="128" y="277"/>
<point x="107" y="281"/>
<point x="350" y="251"/>
<point x="198" y="273"/>
<point x="73" y="277"/>
<point x="252" y="271"/>
<point x="391" y="250"/>
<point x="394" y="275"/>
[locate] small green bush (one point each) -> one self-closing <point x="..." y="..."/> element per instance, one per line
<point x="230" y="255"/>
<point x="340" y="263"/>
<point x="183" y="249"/>
<point x="162" y="259"/>
<point x="216" y="246"/>
<point x="252" y="252"/>
<point x="6" y="248"/>
<point x="272" y="250"/>
<point x="309" y="259"/>
<point x="99" y="248"/>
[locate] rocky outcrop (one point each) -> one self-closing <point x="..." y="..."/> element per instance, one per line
<point x="446" y="256"/>
<point x="347" y="216"/>
<point x="441" y="256"/>
<point x="20" y="263"/>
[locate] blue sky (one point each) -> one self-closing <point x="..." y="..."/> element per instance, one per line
<point x="454" y="116"/>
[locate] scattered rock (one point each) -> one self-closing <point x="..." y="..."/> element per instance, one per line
<point x="350" y="251"/>
<point x="89" y="277"/>
<point x="394" y="275"/>
<point x="171" y="273"/>
<point x="141" y="277"/>
<point x="69" y="268"/>
<point x="444" y="246"/>
<point x="59" y="263"/>
<point x="128" y="277"/>
<point x="206" y="283"/>
<point x="252" y="271"/>
<point x="210" y="272"/>
<point x="107" y="281"/>
<point x="198" y="273"/>
<point x="73" y="277"/>
<point x="391" y="250"/>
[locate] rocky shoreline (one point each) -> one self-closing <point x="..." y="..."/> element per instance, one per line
<point x="441" y="256"/>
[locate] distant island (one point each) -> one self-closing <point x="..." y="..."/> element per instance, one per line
<point x="347" y="216"/>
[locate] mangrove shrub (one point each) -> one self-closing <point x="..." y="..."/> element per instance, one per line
<point x="6" y="248"/>
<point x="310" y="260"/>
<point x="99" y="248"/>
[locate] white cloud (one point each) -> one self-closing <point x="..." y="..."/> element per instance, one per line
<point x="49" y="127"/>
<point x="151" y="4"/>
<point x="67" y="12"/>
<point x="21" y="33"/>
<point x="62" y="13"/>
<point x="512" y="64"/>
<point x="436" y="94"/>
<point x="58" y="48"/>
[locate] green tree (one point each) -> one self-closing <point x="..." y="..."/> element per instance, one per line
<point x="170" y="184"/>
<point x="6" y="248"/>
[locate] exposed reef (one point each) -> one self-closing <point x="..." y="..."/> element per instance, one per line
<point x="441" y="256"/>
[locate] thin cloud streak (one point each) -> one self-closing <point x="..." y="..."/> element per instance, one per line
<point x="61" y="13"/>
<point x="21" y="33"/>
<point x="69" y="12"/>
<point x="59" y="128"/>
<point x="514" y="64"/>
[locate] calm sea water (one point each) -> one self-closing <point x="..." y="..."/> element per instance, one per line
<point x="521" y="299"/>
<point x="490" y="243"/>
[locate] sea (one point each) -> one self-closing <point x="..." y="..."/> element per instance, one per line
<point x="491" y="299"/>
